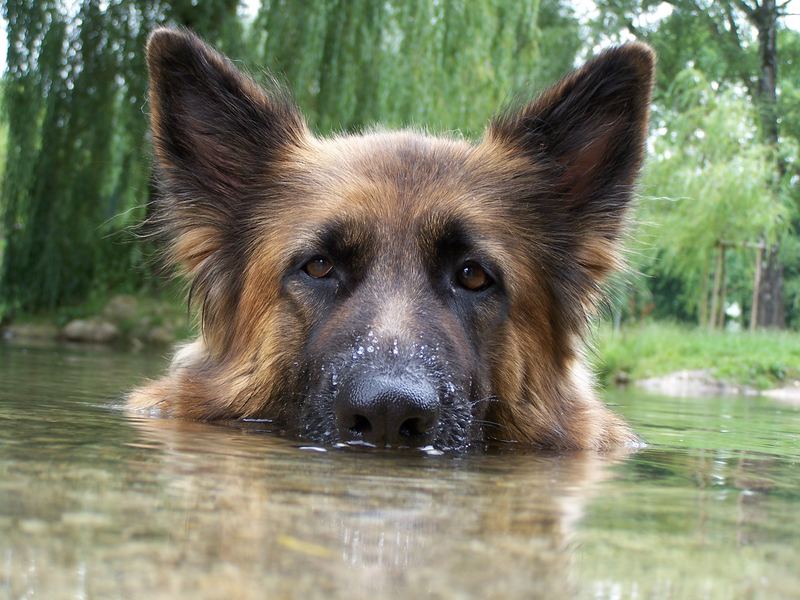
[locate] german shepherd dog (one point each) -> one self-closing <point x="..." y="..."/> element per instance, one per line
<point x="393" y="288"/>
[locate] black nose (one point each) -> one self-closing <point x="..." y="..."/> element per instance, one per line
<point x="387" y="411"/>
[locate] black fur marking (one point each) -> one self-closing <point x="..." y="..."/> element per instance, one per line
<point x="479" y="313"/>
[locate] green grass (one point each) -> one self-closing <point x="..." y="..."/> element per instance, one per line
<point x="760" y="359"/>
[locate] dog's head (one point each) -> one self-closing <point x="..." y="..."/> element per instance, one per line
<point x="393" y="287"/>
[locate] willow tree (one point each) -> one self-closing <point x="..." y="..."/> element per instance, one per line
<point x="76" y="167"/>
<point x="732" y="42"/>
<point x="707" y="183"/>
<point x="445" y="64"/>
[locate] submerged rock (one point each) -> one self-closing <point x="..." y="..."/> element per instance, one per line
<point x="789" y="393"/>
<point x="699" y="382"/>
<point x="622" y="378"/>
<point x="94" y="331"/>
<point x="121" y="308"/>
<point x="160" y="335"/>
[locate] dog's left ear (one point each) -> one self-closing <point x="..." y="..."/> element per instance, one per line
<point x="584" y="139"/>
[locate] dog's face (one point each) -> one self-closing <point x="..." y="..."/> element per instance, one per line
<point x="394" y="272"/>
<point x="392" y="288"/>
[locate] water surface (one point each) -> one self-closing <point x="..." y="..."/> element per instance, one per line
<point x="95" y="503"/>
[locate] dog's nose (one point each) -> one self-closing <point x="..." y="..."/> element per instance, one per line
<point x="387" y="411"/>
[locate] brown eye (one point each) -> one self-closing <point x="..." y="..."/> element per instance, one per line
<point x="472" y="277"/>
<point x="318" y="267"/>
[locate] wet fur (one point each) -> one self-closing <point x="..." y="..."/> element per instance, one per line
<point x="249" y="194"/>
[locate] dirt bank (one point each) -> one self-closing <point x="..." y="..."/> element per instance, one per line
<point x="701" y="382"/>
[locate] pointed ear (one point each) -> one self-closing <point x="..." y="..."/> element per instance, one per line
<point x="584" y="139"/>
<point x="217" y="136"/>
<point x="219" y="141"/>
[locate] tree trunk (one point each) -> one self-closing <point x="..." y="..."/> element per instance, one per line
<point x="756" y="287"/>
<point x="704" y="294"/>
<point x="771" y="311"/>
<point x="718" y="271"/>
<point x="723" y="290"/>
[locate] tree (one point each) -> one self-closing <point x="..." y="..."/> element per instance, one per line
<point x="447" y="64"/>
<point x="76" y="163"/>
<point x="707" y="183"/>
<point x="77" y="169"/>
<point x="717" y="38"/>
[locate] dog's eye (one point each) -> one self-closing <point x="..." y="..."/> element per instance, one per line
<point x="473" y="277"/>
<point x="318" y="267"/>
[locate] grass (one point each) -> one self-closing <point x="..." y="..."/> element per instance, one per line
<point x="761" y="359"/>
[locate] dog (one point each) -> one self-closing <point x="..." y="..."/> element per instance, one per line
<point x="393" y="288"/>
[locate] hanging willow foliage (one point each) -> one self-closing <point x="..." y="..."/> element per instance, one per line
<point x="77" y="163"/>
<point x="446" y="64"/>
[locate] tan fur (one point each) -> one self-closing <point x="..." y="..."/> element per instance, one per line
<point x="247" y="359"/>
<point x="546" y="398"/>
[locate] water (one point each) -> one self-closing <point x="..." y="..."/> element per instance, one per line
<point x="95" y="503"/>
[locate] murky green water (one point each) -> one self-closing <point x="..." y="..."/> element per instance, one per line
<point x="97" y="504"/>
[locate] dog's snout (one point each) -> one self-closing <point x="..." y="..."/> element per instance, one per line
<point x="387" y="411"/>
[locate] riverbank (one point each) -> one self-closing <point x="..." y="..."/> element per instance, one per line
<point x="124" y="321"/>
<point x="680" y="360"/>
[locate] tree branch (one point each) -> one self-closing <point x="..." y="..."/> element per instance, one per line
<point x="746" y="8"/>
<point x="733" y="28"/>
<point x="734" y="40"/>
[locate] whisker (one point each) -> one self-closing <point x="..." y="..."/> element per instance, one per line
<point x="487" y="422"/>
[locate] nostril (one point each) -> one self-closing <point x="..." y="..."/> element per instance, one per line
<point x="361" y="425"/>
<point x="413" y="427"/>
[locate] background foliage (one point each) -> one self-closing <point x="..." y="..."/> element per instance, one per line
<point x="74" y="151"/>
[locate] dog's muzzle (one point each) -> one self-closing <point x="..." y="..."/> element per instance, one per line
<point x="387" y="411"/>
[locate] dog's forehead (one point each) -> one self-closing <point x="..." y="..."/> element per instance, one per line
<point x="386" y="175"/>
<point x="402" y="186"/>
<point x="393" y="154"/>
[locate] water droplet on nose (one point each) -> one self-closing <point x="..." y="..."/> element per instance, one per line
<point x="431" y="451"/>
<point x="370" y="349"/>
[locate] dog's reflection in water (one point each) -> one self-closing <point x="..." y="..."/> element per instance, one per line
<point x="359" y="523"/>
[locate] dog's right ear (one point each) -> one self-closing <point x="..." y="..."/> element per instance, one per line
<point x="219" y="141"/>
<point x="217" y="137"/>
